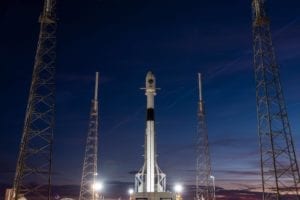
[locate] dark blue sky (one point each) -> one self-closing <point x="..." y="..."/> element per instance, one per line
<point x="123" y="40"/>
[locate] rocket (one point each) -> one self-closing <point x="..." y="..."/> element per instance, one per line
<point x="150" y="178"/>
<point x="150" y="150"/>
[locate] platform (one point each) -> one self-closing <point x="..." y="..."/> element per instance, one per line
<point x="153" y="196"/>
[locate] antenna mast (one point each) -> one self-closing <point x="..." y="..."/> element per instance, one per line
<point x="89" y="171"/>
<point x="33" y="171"/>
<point x="279" y="168"/>
<point x="205" y="182"/>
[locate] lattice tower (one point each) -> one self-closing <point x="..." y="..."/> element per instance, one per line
<point x="205" y="189"/>
<point x="33" y="171"/>
<point x="89" y="171"/>
<point x="279" y="168"/>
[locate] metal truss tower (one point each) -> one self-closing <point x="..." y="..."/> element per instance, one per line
<point x="89" y="171"/>
<point x="279" y="168"/>
<point x="33" y="171"/>
<point x="205" y="188"/>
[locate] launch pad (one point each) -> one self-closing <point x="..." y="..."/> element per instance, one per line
<point x="153" y="196"/>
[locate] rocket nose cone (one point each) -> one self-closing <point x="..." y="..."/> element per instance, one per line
<point x="149" y="75"/>
<point x="150" y="80"/>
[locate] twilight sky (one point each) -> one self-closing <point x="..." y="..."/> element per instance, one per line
<point x="123" y="39"/>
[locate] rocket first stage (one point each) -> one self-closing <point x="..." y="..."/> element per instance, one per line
<point x="150" y="178"/>
<point x="150" y="151"/>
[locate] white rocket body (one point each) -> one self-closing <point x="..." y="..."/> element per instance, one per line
<point x="150" y="150"/>
<point x="150" y="178"/>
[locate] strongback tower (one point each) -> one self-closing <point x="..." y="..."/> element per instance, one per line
<point x="33" y="171"/>
<point x="150" y="181"/>
<point x="205" y="189"/>
<point x="279" y="168"/>
<point x="89" y="171"/>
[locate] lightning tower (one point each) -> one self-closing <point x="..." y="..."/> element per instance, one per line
<point x="205" y="189"/>
<point x="89" y="171"/>
<point x="279" y="168"/>
<point x="33" y="171"/>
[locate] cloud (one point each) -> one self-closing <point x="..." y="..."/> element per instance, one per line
<point x="234" y="141"/>
<point x="223" y="174"/>
<point x="239" y="173"/>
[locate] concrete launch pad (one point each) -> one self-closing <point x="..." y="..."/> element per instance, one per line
<point x="153" y="196"/>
